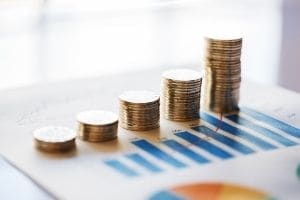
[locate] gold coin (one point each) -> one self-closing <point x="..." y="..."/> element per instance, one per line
<point x="222" y="74"/>
<point x="97" y="125"/>
<point x="54" y="138"/>
<point x="139" y="110"/>
<point x="181" y="92"/>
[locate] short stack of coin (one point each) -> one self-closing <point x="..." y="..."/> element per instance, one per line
<point x="139" y="110"/>
<point x="181" y="91"/>
<point x="54" y="139"/>
<point x="222" y="74"/>
<point x="97" y="125"/>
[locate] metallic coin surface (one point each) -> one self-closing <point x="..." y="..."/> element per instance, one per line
<point x="54" y="138"/>
<point x="139" y="96"/>
<point x="97" y="125"/>
<point x="222" y="74"/>
<point x="181" y="92"/>
<point x="97" y="117"/>
<point x="139" y="110"/>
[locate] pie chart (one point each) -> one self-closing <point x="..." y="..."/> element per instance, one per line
<point x="210" y="191"/>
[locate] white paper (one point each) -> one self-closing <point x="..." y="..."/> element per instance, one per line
<point x="82" y="174"/>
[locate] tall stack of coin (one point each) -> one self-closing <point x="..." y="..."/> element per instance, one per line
<point x="181" y="89"/>
<point x="54" y="139"/>
<point x="222" y="74"/>
<point x="97" y="125"/>
<point x="139" y="110"/>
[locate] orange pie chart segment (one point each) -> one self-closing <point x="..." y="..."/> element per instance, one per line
<point x="211" y="191"/>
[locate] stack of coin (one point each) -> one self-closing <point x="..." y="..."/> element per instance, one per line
<point x="54" y="139"/>
<point x="181" y="89"/>
<point x="139" y="110"/>
<point x="222" y="74"/>
<point x="97" y="125"/>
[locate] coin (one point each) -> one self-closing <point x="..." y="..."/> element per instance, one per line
<point x="222" y="74"/>
<point x="139" y="97"/>
<point x="139" y="110"/>
<point x="97" y="125"/>
<point x="182" y="75"/>
<point x="54" y="138"/>
<point x="181" y="92"/>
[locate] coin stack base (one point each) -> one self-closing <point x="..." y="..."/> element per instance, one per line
<point x="181" y="90"/>
<point x="139" y="110"/>
<point x="97" y="125"/>
<point x="222" y="75"/>
<point x="54" y="139"/>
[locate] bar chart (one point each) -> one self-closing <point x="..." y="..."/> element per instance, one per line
<point x="247" y="132"/>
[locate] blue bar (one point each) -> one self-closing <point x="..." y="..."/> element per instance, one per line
<point x="166" y="195"/>
<point x="237" y="132"/>
<point x="121" y="167"/>
<point x="211" y="148"/>
<point x="185" y="151"/>
<point x="140" y="160"/>
<point x="272" y="121"/>
<point x="159" y="154"/>
<point x="266" y="132"/>
<point x="240" y="147"/>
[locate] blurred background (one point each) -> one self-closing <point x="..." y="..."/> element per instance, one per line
<point x="53" y="40"/>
